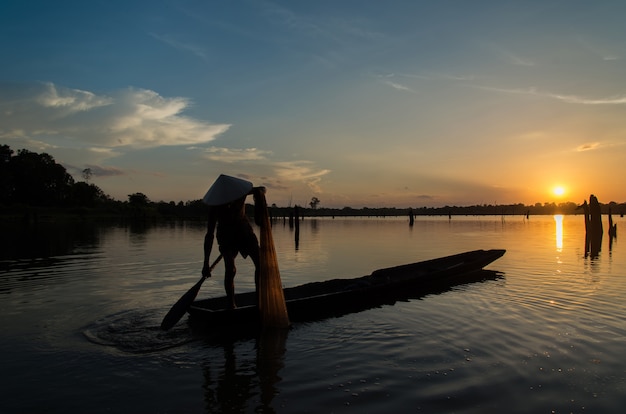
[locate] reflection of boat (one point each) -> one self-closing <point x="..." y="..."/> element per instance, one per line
<point x="319" y="300"/>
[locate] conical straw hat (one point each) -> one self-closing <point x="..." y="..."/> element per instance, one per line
<point x="226" y="189"/>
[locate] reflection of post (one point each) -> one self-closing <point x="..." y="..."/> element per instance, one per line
<point x="271" y="346"/>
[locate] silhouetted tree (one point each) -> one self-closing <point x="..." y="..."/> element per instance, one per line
<point x="38" y="180"/>
<point x="138" y="199"/>
<point x="141" y="207"/>
<point x="87" y="174"/>
<point x="87" y="195"/>
<point x="314" y="202"/>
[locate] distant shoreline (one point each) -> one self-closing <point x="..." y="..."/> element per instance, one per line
<point x="195" y="211"/>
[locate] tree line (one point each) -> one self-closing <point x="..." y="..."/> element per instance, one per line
<point x="29" y="178"/>
<point x="33" y="180"/>
<point x="30" y="181"/>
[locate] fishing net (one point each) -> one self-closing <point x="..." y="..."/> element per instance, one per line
<point x="272" y="307"/>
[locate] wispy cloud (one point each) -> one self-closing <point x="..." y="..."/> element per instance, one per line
<point x="134" y="118"/>
<point x="589" y="146"/>
<point x="68" y="103"/>
<point x="518" y="60"/>
<point x="84" y="126"/>
<point x="333" y="29"/>
<point x="390" y="78"/>
<point x="612" y="100"/>
<point x="285" y="17"/>
<point x="398" y="86"/>
<point x="169" y="40"/>
<point x="592" y="146"/>
<point x="275" y="173"/>
<point x="574" y="99"/>
<point x="509" y="56"/>
<point x="300" y="171"/>
<point x="424" y="197"/>
<point x="231" y="155"/>
<point x="606" y="53"/>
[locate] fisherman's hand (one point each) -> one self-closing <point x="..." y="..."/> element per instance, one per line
<point x="206" y="270"/>
<point x="258" y="190"/>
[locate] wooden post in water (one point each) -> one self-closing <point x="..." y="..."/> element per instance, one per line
<point x="297" y="223"/>
<point x="612" y="231"/>
<point x="593" y="226"/>
<point x="612" y="226"/>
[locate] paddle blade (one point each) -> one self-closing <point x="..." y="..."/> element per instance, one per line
<point x="180" y="308"/>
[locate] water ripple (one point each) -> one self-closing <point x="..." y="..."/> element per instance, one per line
<point x="136" y="332"/>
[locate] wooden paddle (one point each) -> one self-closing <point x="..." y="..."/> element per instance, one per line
<point x="180" y="307"/>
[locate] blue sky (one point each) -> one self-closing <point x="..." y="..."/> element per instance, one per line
<point x="358" y="103"/>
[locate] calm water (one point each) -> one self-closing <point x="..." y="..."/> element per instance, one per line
<point x="80" y="307"/>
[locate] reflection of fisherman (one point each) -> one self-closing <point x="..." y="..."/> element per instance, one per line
<point x="226" y="199"/>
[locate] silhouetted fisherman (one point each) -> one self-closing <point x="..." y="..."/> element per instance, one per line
<point x="226" y="199"/>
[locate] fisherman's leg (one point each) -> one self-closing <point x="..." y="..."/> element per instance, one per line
<point x="254" y="255"/>
<point x="229" y="278"/>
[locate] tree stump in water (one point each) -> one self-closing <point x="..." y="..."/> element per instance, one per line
<point x="593" y="226"/>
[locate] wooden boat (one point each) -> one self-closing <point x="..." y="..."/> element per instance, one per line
<point x="336" y="297"/>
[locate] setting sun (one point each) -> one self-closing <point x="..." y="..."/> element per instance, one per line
<point x="558" y="191"/>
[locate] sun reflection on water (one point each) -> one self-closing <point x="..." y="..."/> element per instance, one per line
<point x="558" y="218"/>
